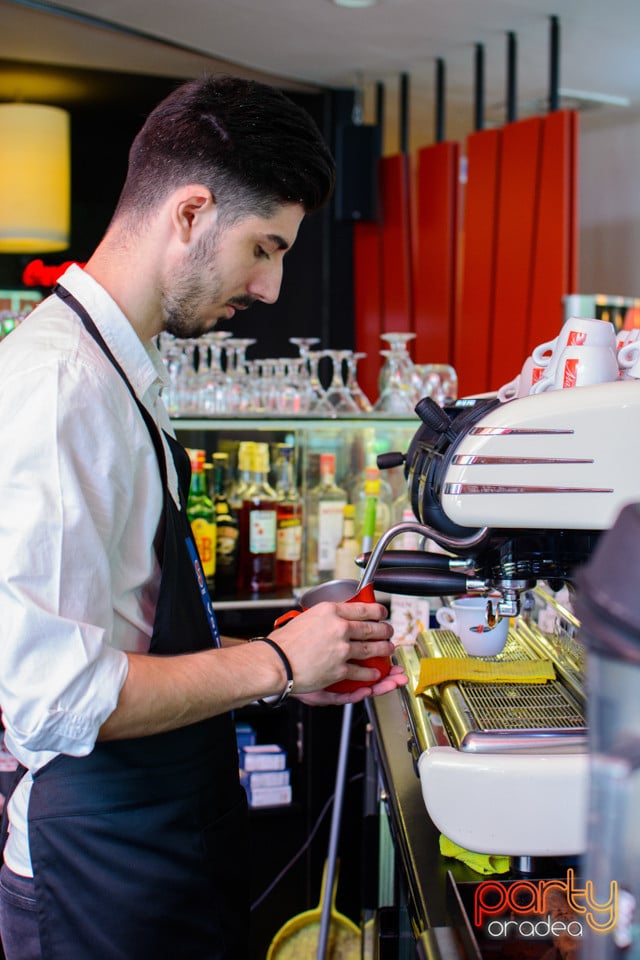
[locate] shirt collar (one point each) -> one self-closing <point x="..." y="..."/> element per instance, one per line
<point x="140" y="361"/>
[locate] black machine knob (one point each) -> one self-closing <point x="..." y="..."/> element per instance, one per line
<point x="432" y="414"/>
<point x="392" y="459"/>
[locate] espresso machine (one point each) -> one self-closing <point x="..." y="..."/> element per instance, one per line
<point x="517" y="492"/>
<point x="516" y="495"/>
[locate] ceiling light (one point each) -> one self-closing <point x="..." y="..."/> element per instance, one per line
<point x="34" y="178"/>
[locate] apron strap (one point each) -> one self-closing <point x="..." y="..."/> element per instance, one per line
<point x="91" y="328"/>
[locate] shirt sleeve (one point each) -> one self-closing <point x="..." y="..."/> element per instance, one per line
<point x="64" y="497"/>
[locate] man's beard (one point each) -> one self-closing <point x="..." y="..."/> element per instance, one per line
<point x="180" y="308"/>
<point x="183" y="304"/>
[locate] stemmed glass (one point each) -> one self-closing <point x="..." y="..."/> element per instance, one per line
<point x="173" y="358"/>
<point x="211" y="384"/>
<point x="357" y="393"/>
<point x="437" y="380"/>
<point x="318" y="398"/>
<point x="398" y="345"/>
<point x="304" y="344"/>
<point x="290" y="399"/>
<point x="338" y="394"/>
<point x="238" y="392"/>
<point x="397" y="396"/>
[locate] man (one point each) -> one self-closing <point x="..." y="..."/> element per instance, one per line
<point x="126" y="828"/>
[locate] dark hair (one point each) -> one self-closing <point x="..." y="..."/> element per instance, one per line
<point x="248" y="143"/>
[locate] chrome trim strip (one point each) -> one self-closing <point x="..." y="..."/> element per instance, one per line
<point x="455" y="489"/>
<point x="515" y="431"/>
<point x="466" y="460"/>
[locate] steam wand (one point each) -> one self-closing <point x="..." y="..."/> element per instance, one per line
<point x="435" y="582"/>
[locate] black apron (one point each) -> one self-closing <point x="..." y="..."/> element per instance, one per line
<point x="138" y="849"/>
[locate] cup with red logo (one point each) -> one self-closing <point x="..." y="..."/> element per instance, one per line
<point x="575" y="332"/>
<point x="472" y="619"/>
<point x="521" y="385"/>
<point x="629" y="359"/>
<point x="581" y="366"/>
<point x="623" y="337"/>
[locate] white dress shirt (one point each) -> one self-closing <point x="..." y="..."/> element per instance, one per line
<point x="80" y="502"/>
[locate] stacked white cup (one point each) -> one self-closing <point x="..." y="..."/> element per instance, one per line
<point x="584" y="352"/>
<point x="629" y="354"/>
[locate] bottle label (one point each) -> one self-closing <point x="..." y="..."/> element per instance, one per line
<point x="330" y="514"/>
<point x="204" y="533"/>
<point x="226" y="545"/>
<point x="262" y="531"/>
<point x="289" y="539"/>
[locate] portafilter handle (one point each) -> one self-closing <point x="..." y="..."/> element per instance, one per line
<point x="411" y="526"/>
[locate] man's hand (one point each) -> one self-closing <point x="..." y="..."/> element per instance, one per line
<point x="327" y="643"/>
<point x="325" y="698"/>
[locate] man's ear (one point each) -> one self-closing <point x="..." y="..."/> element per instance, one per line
<point x="192" y="209"/>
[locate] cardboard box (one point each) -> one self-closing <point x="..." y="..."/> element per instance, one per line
<point x="259" y="779"/>
<point x="245" y="735"/>
<point x="269" y="796"/>
<point x="263" y="756"/>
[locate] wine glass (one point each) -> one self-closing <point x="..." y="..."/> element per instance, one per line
<point x="188" y="389"/>
<point x="397" y="397"/>
<point x="338" y="394"/>
<point x="357" y="393"/>
<point x="238" y="386"/>
<point x="318" y="403"/>
<point x="172" y="357"/>
<point x="212" y="379"/>
<point x="304" y="344"/>
<point x="437" y="380"/>
<point x="399" y="345"/>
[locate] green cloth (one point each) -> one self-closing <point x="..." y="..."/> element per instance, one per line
<point x="485" y="863"/>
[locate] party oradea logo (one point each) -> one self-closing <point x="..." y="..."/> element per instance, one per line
<point x="543" y="909"/>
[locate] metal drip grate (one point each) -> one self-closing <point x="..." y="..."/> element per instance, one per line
<point x="445" y="643"/>
<point x="490" y="717"/>
<point x="516" y="706"/>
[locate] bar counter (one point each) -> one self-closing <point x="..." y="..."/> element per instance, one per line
<point x="422" y="869"/>
<point x="436" y="891"/>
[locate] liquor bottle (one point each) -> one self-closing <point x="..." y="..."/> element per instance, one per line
<point x="324" y="522"/>
<point x="288" y="520"/>
<point x="202" y="516"/>
<point x="244" y="475"/>
<point x="371" y="488"/>
<point x="228" y="529"/>
<point x="349" y="547"/>
<point x="257" y="562"/>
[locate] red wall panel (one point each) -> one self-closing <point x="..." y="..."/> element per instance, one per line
<point x="472" y="346"/>
<point x="434" y="249"/>
<point x="397" y="294"/>
<point x="517" y="205"/>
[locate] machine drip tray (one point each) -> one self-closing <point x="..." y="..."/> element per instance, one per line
<point x="489" y="718"/>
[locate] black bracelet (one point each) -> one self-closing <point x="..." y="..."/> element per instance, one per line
<point x="278" y="698"/>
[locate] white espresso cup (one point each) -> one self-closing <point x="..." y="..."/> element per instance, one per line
<point x="467" y="618"/>
<point x="575" y="332"/>
<point x="623" y="337"/>
<point x="629" y="359"/>
<point x="580" y="367"/>
<point x="521" y="385"/>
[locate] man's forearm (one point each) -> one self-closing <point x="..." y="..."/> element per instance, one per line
<point x="164" y="693"/>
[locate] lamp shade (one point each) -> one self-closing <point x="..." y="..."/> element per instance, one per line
<point x="35" y="178"/>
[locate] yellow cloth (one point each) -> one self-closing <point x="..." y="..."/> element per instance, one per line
<point x="437" y="670"/>
<point x="484" y="863"/>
